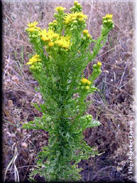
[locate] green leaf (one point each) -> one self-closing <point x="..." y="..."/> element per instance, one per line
<point x="94" y="123"/>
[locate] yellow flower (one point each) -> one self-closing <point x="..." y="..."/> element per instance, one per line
<point x="33" y="24"/>
<point x="45" y="38"/>
<point x="85" y="31"/>
<point x="85" y="81"/>
<point x="69" y="18"/>
<point x="107" y="21"/>
<point x="43" y="32"/>
<point x="43" y="35"/>
<point x="81" y="15"/>
<point x="109" y="16"/>
<point x="54" y="21"/>
<point x="60" y="8"/>
<point x="73" y="18"/>
<point x="99" y="64"/>
<point x="31" y="29"/>
<point x="88" y="82"/>
<point x="48" y="36"/>
<point x="55" y="35"/>
<point x="51" y="44"/>
<point x="88" y="35"/>
<point x="81" y="20"/>
<point x="34" y="59"/>
<point x="53" y="38"/>
<point x="63" y="42"/>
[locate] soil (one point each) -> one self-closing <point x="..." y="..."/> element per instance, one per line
<point x="113" y="106"/>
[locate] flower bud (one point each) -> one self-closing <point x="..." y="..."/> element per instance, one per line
<point x="76" y="3"/>
<point x="75" y="27"/>
<point x="87" y="87"/>
<point x="32" y="67"/>
<point x="71" y="9"/>
<point x="37" y="41"/>
<point x="82" y="87"/>
<point x="99" y="71"/>
<point x="50" y="24"/>
<point x="34" y="36"/>
<point x="94" y="66"/>
<point x="55" y="15"/>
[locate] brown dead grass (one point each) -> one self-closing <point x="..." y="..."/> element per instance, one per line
<point x="113" y="105"/>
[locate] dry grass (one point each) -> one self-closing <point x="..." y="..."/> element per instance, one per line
<point x="113" y="105"/>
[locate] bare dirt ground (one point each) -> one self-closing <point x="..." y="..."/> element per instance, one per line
<point x="112" y="106"/>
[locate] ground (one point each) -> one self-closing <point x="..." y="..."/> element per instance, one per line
<point x="113" y="106"/>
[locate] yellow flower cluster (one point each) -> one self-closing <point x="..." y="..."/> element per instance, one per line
<point x="85" y="81"/>
<point x="54" y="21"/>
<point x="48" y="36"/>
<point x="76" y="4"/>
<point x="86" y="33"/>
<point x="108" y="17"/>
<point x="79" y="16"/>
<point x="77" y="7"/>
<point x="63" y="42"/>
<point x="96" y="70"/>
<point x="33" y="24"/>
<point x="34" y="59"/>
<point x="97" y="66"/>
<point x="85" y="84"/>
<point x="107" y="20"/>
<point x="60" y="9"/>
<point x="32" y="27"/>
<point x="52" y="38"/>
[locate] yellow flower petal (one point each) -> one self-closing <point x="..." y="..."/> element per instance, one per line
<point x="60" y="8"/>
<point x="85" y="31"/>
<point x="51" y="44"/>
<point x="33" y="24"/>
<point x="99" y="64"/>
<point x="85" y="81"/>
<point x="34" y="59"/>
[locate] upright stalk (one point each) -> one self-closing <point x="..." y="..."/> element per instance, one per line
<point x="61" y="54"/>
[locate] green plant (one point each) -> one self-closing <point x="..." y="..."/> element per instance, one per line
<point x="62" y="53"/>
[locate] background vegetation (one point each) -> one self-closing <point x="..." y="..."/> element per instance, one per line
<point x="112" y="106"/>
